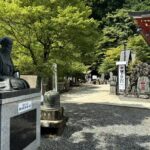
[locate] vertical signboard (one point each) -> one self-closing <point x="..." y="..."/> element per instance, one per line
<point x="122" y="81"/>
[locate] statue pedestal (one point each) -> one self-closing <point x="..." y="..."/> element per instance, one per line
<point x="53" y="118"/>
<point x="20" y="119"/>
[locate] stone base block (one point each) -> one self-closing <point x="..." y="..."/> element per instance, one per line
<point x="52" y="114"/>
<point x="144" y="96"/>
<point x="50" y="127"/>
<point x="53" y="119"/>
<point x="113" y="90"/>
<point x="20" y="120"/>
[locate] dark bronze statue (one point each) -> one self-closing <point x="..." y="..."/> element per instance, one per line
<point x="9" y="79"/>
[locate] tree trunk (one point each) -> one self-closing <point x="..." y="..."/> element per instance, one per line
<point x="38" y="82"/>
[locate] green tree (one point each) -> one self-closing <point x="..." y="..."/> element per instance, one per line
<point x="47" y="32"/>
<point x="136" y="44"/>
<point x="116" y="26"/>
<point x="137" y="5"/>
<point x="101" y="7"/>
<point x="72" y="70"/>
<point x="109" y="62"/>
<point x="140" y="48"/>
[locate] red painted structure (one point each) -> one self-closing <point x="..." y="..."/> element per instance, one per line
<point x="142" y="20"/>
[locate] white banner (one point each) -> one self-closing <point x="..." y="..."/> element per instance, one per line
<point x="122" y="77"/>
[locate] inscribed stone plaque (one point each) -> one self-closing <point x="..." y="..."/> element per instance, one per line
<point x="143" y="85"/>
<point x="22" y="130"/>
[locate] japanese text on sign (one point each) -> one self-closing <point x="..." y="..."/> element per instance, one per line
<point x="24" y="106"/>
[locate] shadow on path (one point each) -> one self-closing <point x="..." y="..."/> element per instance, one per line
<point x="102" y="127"/>
<point x="103" y="115"/>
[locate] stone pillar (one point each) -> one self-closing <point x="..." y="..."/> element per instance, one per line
<point x="113" y="86"/>
<point x="111" y="76"/>
<point x="55" y="88"/>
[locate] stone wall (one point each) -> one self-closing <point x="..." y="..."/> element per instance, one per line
<point x="31" y="79"/>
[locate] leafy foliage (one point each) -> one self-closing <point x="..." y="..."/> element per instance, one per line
<point x="117" y="26"/>
<point x="64" y="32"/>
<point x="140" y="47"/>
<point x="102" y="7"/>
<point x="109" y="63"/>
<point x="137" y="5"/>
<point x="48" y="32"/>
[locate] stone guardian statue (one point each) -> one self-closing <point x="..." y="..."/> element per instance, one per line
<point x="8" y="76"/>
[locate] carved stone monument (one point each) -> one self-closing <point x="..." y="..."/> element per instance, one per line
<point x="143" y="87"/>
<point x="19" y="106"/>
<point x="140" y="81"/>
<point x="113" y="85"/>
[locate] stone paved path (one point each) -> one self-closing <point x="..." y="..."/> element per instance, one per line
<point x="94" y="126"/>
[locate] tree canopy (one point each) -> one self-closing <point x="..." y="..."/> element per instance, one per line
<point x="117" y="27"/>
<point x="72" y="33"/>
<point x="47" y="32"/>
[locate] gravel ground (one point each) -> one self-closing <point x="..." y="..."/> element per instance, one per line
<point x="94" y="126"/>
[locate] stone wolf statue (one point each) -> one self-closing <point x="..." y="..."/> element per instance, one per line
<point x="8" y="76"/>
